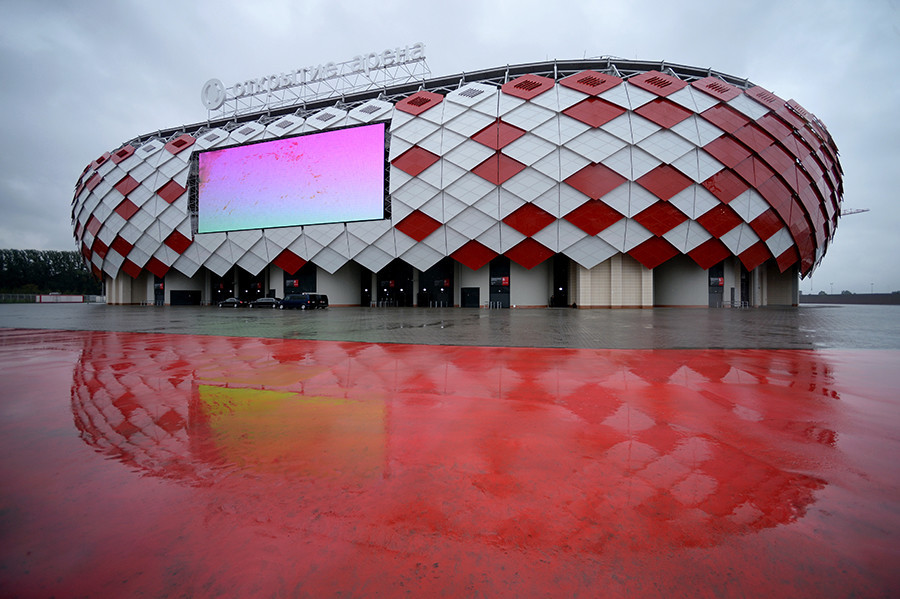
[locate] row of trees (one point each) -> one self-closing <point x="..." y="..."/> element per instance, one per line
<point x="45" y="271"/>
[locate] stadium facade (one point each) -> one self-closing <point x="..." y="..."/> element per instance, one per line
<point x="594" y="183"/>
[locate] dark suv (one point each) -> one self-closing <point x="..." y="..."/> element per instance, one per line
<point x="304" y="301"/>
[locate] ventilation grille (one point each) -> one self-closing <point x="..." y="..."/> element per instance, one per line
<point x="657" y="81"/>
<point x="212" y="137"/>
<point x="592" y="81"/>
<point x="246" y="131"/>
<point x="527" y="85"/>
<point x="472" y="92"/>
<point x="370" y="109"/>
<point x="419" y="101"/>
<point x="717" y="87"/>
<point x="325" y="116"/>
<point x="179" y="143"/>
<point x="283" y="124"/>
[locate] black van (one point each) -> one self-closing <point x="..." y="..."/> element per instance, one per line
<point x="304" y="301"/>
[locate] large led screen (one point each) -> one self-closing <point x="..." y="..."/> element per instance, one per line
<point x="327" y="177"/>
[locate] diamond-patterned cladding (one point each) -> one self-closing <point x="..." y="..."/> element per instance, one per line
<point x="415" y="160"/>
<point x="760" y="176"/>
<point x="527" y="87"/>
<point x="664" y="181"/>
<point x="498" y="135"/>
<point x="419" y="102"/>
<point x="418" y="225"/>
<point x="663" y="112"/>
<point x="593" y="216"/>
<point x="594" y="111"/>
<point x="529" y="253"/>
<point x="474" y="255"/>
<point x="498" y="168"/>
<point x="660" y="218"/>
<point x="595" y="180"/>
<point x="591" y="82"/>
<point x="661" y="84"/>
<point x="529" y="219"/>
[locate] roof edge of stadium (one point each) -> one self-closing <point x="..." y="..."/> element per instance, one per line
<point x="555" y="69"/>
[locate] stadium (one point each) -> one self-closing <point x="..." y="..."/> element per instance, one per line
<point x="598" y="183"/>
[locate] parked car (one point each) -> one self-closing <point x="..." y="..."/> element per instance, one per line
<point x="232" y="302"/>
<point x="321" y="300"/>
<point x="265" y="302"/>
<point x="303" y="301"/>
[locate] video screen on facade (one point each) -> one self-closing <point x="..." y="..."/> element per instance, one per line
<point x="327" y="177"/>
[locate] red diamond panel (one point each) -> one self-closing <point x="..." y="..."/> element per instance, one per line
<point x="590" y="82"/>
<point x="664" y="112"/>
<point x="657" y="83"/>
<point x="126" y="209"/>
<point x="126" y="185"/>
<point x="418" y="225"/>
<point x="725" y="185"/>
<point x="595" y="180"/>
<point x="755" y="255"/>
<point x="766" y="224"/>
<point x="709" y="253"/>
<point x="717" y="88"/>
<point x="593" y="216"/>
<point x="183" y="142"/>
<point x="653" y="252"/>
<point x="529" y="253"/>
<point x="93" y="225"/>
<point x="131" y="269"/>
<point x="85" y="251"/>
<point x="100" y="248"/>
<point x="774" y="126"/>
<point x="498" y="168"/>
<point x="120" y="245"/>
<point x="99" y="162"/>
<point x="93" y="181"/>
<point x="664" y="181"/>
<point x="727" y="151"/>
<point x="157" y="268"/>
<point x="754" y="138"/>
<point x="787" y="259"/>
<point x="419" y="102"/>
<point x="778" y="196"/>
<point x="98" y="274"/>
<point x="498" y="135"/>
<point x="719" y="220"/>
<point x="754" y="171"/>
<point x="527" y="86"/>
<point x="474" y="255"/>
<point x="178" y="242"/>
<point x="725" y="118"/>
<point x="779" y="160"/>
<point x="289" y="262"/>
<point x="529" y="219"/>
<point x="122" y="154"/>
<point x="594" y="111"/>
<point x="415" y="160"/>
<point x="171" y="191"/>
<point x="660" y="218"/>
<point x="765" y="97"/>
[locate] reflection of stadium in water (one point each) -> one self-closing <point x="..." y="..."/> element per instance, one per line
<point x="584" y="449"/>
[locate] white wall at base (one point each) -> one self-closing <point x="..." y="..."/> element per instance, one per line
<point x="680" y="282"/>
<point x="276" y="280"/>
<point x="783" y="288"/>
<point x="618" y="282"/>
<point x="342" y="287"/>
<point x="529" y="287"/>
<point x="177" y="281"/>
<point x="480" y="278"/>
<point x="123" y="290"/>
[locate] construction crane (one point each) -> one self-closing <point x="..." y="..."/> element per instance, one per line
<point x="847" y="211"/>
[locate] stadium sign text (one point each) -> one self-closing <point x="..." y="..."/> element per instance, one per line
<point x="214" y="93"/>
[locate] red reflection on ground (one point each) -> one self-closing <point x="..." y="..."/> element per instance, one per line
<point x="253" y="467"/>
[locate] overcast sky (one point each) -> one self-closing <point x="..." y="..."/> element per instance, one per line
<point x="80" y="78"/>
